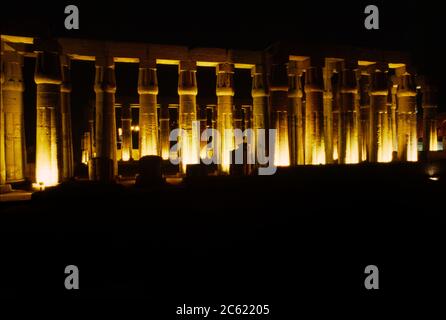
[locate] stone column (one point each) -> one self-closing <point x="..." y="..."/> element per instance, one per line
<point x="148" y="118"/>
<point x="202" y="119"/>
<point x="364" y="115"/>
<point x="380" y="149"/>
<point x="104" y="165"/>
<point x="279" y="113"/>
<point x="14" y="121"/>
<point x="86" y="147"/>
<point x="430" y="139"/>
<point x="348" y="130"/>
<point x="407" y="119"/>
<point x="225" y="105"/>
<point x="259" y="107"/>
<point x="187" y="114"/>
<point x="3" y="186"/>
<point x="392" y="99"/>
<point x="164" y="131"/>
<point x="314" y="117"/>
<point x="48" y="79"/>
<point x="126" y="123"/>
<point x="66" y="142"/>
<point x="296" y="123"/>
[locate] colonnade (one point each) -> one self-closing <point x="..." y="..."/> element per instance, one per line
<point x="334" y="111"/>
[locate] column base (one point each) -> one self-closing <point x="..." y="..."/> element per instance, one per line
<point x="101" y="169"/>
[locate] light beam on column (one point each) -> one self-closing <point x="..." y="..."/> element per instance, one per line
<point x="279" y="113"/>
<point x="187" y="90"/>
<point x="407" y="119"/>
<point x="259" y="107"/>
<point x="314" y="117"/>
<point x="48" y="79"/>
<point x="348" y="130"/>
<point x="148" y="118"/>
<point x="225" y="104"/>
<point x="296" y="125"/>
<point x="380" y="147"/>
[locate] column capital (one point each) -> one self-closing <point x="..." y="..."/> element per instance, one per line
<point x="279" y="77"/>
<point x="348" y="81"/>
<point x="147" y="77"/>
<point x="105" y="80"/>
<point x="294" y="80"/>
<point x="187" y="78"/>
<point x="314" y="80"/>
<point x="258" y="81"/>
<point x="379" y="83"/>
<point x="66" y="76"/>
<point x="12" y="71"/>
<point x="48" y="69"/>
<point x="225" y="79"/>
<point x="407" y="87"/>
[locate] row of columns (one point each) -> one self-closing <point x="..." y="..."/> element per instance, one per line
<point x="338" y="112"/>
<point x="346" y="113"/>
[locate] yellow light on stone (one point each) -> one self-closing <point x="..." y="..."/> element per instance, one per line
<point x="282" y="152"/>
<point x="120" y="131"/>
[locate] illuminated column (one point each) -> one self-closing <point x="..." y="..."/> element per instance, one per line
<point x="187" y="114"/>
<point x="407" y="119"/>
<point x="348" y="129"/>
<point x="380" y="148"/>
<point x="104" y="166"/>
<point x="296" y="124"/>
<point x="164" y="131"/>
<point x="91" y="129"/>
<point x="430" y="139"/>
<point x="126" y="119"/>
<point x="86" y="147"/>
<point x="202" y="118"/>
<point x="259" y="106"/>
<point x="48" y="79"/>
<point x="393" y="106"/>
<point x="3" y="186"/>
<point x="314" y="117"/>
<point x="148" y="119"/>
<point x="13" y="88"/>
<point x="225" y="102"/>
<point x="279" y="113"/>
<point x="66" y="142"/>
<point x="364" y="115"/>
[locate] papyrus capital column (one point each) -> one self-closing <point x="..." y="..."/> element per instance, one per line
<point x="279" y="112"/>
<point x="430" y="105"/>
<point x="259" y="94"/>
<point x="187" y="90"/>
<point x="380" y="146"/>
<point x="104" y="166"/>
<point x="148" y="118"/>
<point x="3" y="186"/>
<point x="407" y="119"/>
<point x="348" y="122"/>
<point x="225" y="104"/>
<point x="296" y="119"/>
<point x="13" y="87"/>
<point x="66" y="165"/>
<point x="48" y="79"/>
<point x="314" y="116"/>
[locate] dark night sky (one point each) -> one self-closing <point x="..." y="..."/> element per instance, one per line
<point x="412" y="26"/>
